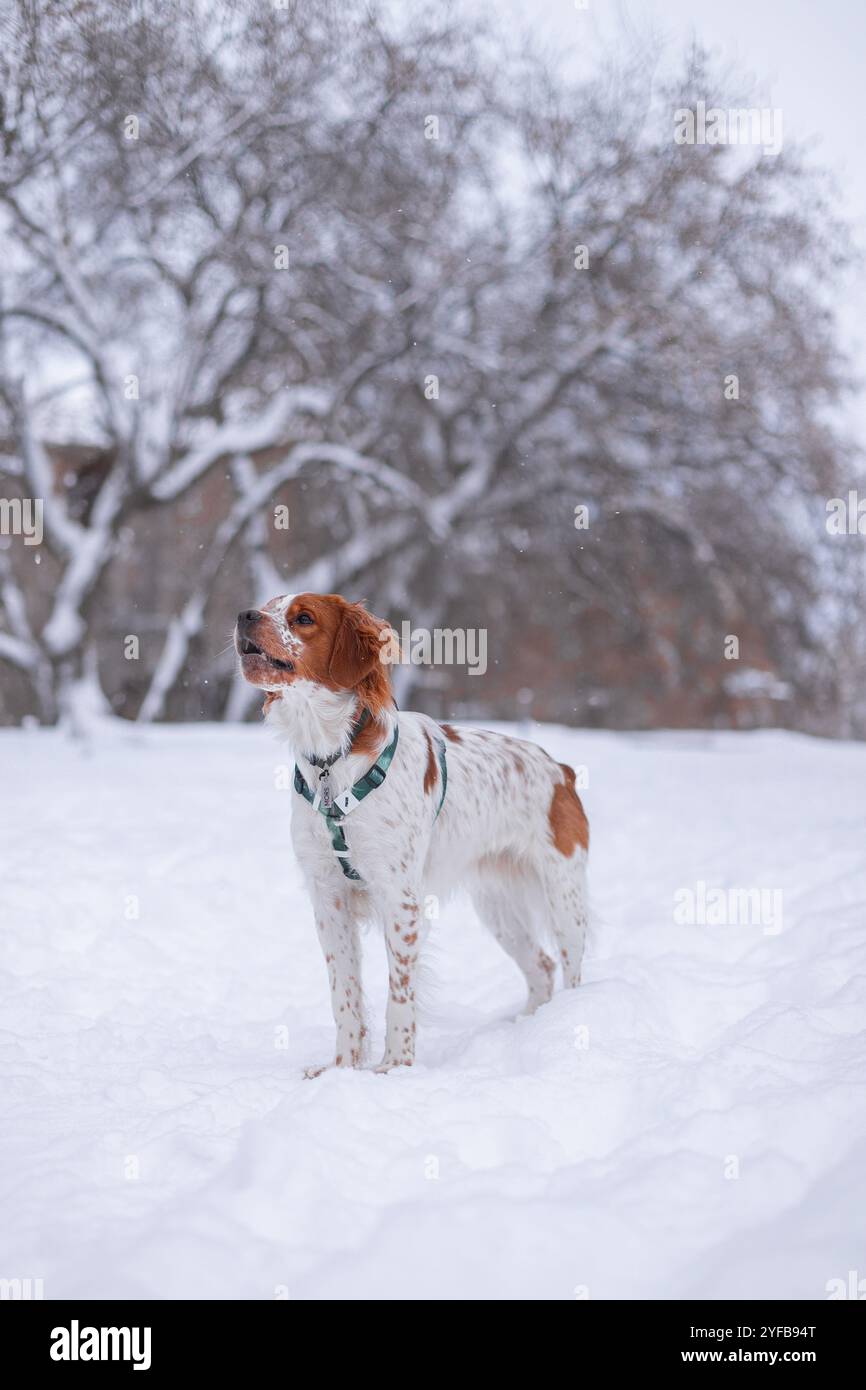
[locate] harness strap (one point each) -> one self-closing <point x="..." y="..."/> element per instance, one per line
<point x="344" y="804"/>
<point x="443" y="768"/>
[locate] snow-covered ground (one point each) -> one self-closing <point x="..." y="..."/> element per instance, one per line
<point x="690" y="1123"/>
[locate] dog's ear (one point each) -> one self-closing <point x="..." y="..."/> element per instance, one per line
<point x="357" y="647"/>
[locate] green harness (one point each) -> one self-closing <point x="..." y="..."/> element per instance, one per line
<point x="340" y="807"/>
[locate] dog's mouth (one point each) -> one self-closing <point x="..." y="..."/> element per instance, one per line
<point x="248" y="648"/>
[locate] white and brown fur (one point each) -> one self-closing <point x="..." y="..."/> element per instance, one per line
<point x="512" y="828"/>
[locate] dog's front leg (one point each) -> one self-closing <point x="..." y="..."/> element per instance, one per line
<point x="339" y="938"/>
<point x="402" y="921"/>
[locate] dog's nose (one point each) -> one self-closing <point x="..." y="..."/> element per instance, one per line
<point x="248" y="617"/>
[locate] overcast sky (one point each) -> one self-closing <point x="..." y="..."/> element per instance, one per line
<point x="807" y="58"/>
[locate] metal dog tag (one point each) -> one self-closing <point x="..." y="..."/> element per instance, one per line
<point x="325" y="788"/>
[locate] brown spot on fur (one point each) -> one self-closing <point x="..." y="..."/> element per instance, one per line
<point x="432" y="768"/>
<point x="373" y="737"/>
<point x="568" y="823"/>
<point x="450" y="732"/>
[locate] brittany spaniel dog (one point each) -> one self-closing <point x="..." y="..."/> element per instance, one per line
<point x="392" y="810"/>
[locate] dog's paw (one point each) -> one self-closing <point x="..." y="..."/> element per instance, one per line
<point x="346" y="1060"/>
<point x="388" y="1064"/>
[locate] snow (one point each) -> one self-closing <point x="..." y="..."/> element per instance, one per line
<point x="162" y="989"/>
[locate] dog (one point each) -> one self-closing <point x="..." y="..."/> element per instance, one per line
<point x="393" y="810"/>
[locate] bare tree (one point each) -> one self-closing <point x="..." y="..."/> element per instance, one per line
<point x="314" y="248"/>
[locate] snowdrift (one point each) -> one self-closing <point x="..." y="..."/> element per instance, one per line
<point x="690" y="1123"/>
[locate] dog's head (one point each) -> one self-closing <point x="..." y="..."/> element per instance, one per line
<point x="320" y="638"/>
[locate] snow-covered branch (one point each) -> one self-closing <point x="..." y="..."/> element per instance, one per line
<point x="320" y="574"/>
<point x="266" y="430"/>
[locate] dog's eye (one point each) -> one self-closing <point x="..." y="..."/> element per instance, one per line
<point x="304" y="619"/>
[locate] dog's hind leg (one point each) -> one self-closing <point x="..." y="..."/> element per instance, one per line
<point x="504" y="911"/>
<point x="563" y="882"/>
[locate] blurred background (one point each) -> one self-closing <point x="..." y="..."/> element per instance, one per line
<point x="396" y="301"/>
